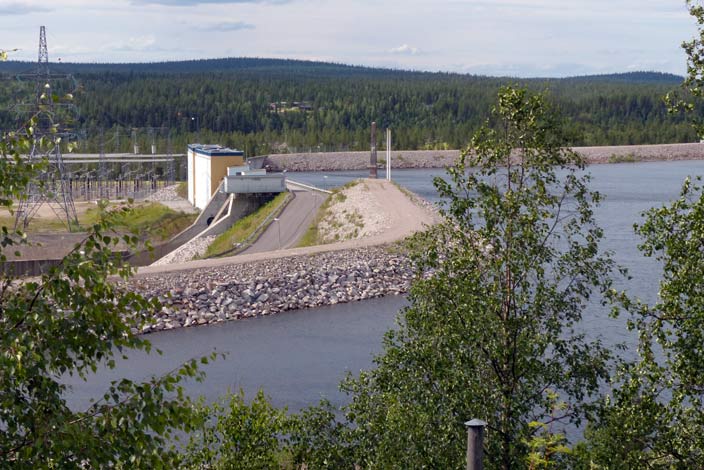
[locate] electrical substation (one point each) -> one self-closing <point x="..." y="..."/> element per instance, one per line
<point x="131" y="162"/>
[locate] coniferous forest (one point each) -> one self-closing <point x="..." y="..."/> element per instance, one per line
<point x="277" y="106"/>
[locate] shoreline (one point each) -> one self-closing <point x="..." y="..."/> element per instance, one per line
<point x="209" y="292"/>
<point x="207" y="296"/>
<point x="244" y="286"/>
<point x="426" y="159"/>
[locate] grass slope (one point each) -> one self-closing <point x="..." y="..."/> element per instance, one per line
<point x="313" y="235"/>
<point x="243" y="228"/>
<point x="150" y="220"/>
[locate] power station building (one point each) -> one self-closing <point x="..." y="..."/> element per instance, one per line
<point x="207" y="166"/>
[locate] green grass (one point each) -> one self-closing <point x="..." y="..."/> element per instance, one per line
<point x="312" y="236"/>
<point x="628" y="158"/>
<point x="152" y="220"/>
<point x="244" y="227"/>
<point x="36" y="225"/>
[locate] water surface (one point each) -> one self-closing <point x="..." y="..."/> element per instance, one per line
<point x="299" y="357"/>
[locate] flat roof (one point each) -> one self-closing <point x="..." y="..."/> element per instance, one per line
<point x="214" y="150"/>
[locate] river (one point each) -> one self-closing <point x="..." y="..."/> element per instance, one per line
<point x="299" y="357"/>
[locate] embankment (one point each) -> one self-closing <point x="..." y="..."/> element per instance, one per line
<point x="340" y="161"/>
<point x="248" y="285"/>
<point x="229" y="292"/>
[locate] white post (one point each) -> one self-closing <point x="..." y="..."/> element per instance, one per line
<point x="278" y="228"/>
<point x="388" y="154"/>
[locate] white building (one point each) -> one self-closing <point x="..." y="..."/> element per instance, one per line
<point x="207" y="166"/>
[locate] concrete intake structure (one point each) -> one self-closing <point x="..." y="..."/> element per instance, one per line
<point x="240" y="191"/>
<point x="207" y="166"/>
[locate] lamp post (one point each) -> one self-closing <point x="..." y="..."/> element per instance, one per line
<point x="278" y="227"/>
<point x="196" y="119"/>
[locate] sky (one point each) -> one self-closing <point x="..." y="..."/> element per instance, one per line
<point x="520" y="38"/>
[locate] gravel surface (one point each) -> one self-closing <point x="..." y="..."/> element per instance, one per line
<point x="406" y="217"/>
<point x="165" y="194"/>
<point x="360" y="160"/>
<point x="442" y="158"/>
<point x="216" y="290"/>
<point x="186" y="252"/>
<point x="352" y="214"/>
<point x="230" y="292"/>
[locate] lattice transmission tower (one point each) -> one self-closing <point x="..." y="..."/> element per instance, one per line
<point x="44" y="114"/>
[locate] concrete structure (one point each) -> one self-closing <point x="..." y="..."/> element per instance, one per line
<point x="245" y="170"/>
<point x="245" y="180"/>
<point x="256" y="163"/>
<point x="220" y="213"/>
<point x="207" y="166"/>
<point x="255" y="184"/>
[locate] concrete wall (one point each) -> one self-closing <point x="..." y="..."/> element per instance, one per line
<point x="241" y="206"/>
<point x="35" y="267"/>
<point x="202" y="181"/>
<point x="218" y="168"/>
<point x="272" y="183"/>
<point x="233" y="170"/>
<point x="256" y="163"/>
<point x="191" y="159"/>
<point x="28" y="267"/>
<point x="215" y="206"/>
<point x="205" y="174"/>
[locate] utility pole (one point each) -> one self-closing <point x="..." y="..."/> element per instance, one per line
<point x="196" y="119"/>
<point x="278" y="227"/>
<point x="372" y="159"/>
<point x="388" y="154"/>
<point x="54" y="183"/>
<point x="102" y="167"/>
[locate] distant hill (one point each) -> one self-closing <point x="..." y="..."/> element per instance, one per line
<point x="632" y="77"/>
<point x="274" y="105"/>
<point x="248" y="64"/>
<point x="234" y="64"/>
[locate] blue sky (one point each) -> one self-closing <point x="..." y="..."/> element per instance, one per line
<point x="490" y="37"/>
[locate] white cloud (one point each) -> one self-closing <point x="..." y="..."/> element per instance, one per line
<point x="518" y="37"/>
<point x="133" y="44"/>
<point x="227" y="26"/>
<point x="21" y="8"/>
<point x="404" y="49"/>
<point x="189" y="3"/>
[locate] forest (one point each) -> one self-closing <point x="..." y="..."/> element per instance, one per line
<point x="248" y="103"/>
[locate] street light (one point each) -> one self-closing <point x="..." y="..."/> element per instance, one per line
<point x="196" y="118"/>
<point x="278" y="226"/>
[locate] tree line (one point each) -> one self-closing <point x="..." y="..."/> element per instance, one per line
<point x="492" y="331"/>
<point x="229" y="101"/>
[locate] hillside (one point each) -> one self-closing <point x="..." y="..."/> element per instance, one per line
<point x="274" y="105"/>
<point x="298" y="67"/>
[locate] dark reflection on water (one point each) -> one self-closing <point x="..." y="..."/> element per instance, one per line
<point x="298" y="357"/>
